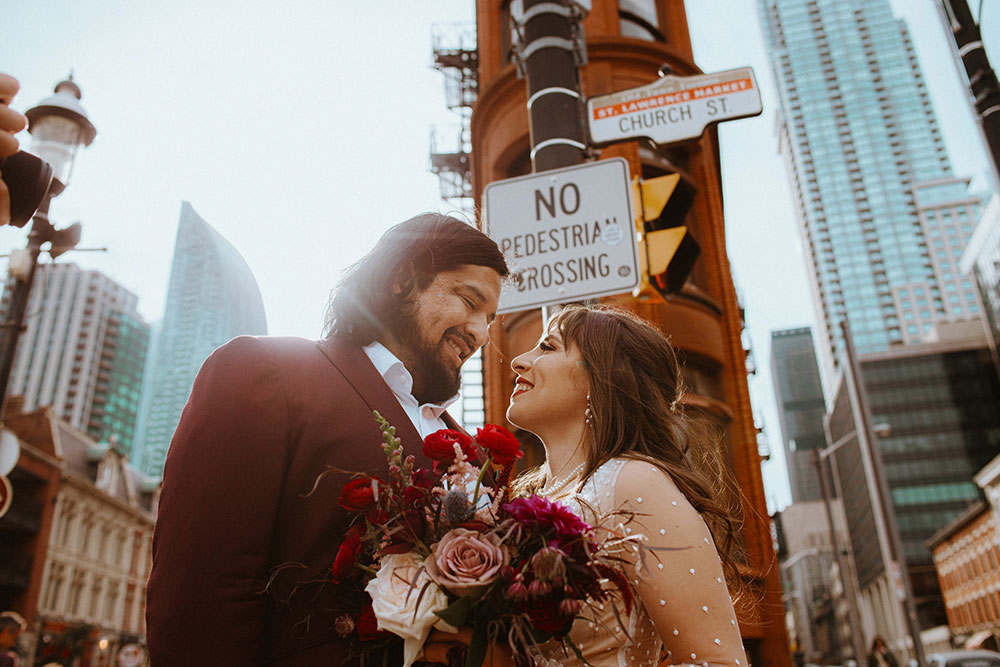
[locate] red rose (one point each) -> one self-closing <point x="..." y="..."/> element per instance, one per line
<point x="423" y="478"/>
<point x="367" y="625"/>
<point x="546" y="616"/>
<point x="440" y="445"/>
<point x="343" y="564"/>
<point x="414" y="496"/>
<point x="377" y="517"/>
<point x="358" y="494"/>
<point x="503" y="447"/>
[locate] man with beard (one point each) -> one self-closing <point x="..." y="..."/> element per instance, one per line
<point x="248" y="525"/>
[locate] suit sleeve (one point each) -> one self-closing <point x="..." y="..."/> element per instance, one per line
<point x="218" y="505"/>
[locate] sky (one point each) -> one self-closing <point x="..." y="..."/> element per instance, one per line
<point x="300" y="131"/>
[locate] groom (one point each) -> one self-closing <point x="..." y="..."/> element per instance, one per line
<point x="267" y="416"/>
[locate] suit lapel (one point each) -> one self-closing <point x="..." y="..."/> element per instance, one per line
<point x="450" y="422"/>
<point x="352" y="362"/>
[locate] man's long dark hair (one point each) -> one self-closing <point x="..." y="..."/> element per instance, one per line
<point x="366" y="302"/>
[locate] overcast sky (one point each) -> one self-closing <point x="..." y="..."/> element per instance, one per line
<point x="300" y="131"/>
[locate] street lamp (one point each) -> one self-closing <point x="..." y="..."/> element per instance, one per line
<point x="848" y="579"/>
<point x="59" y="126"/>
<point x="850" y="596"/>
<point x="886" y="525"/>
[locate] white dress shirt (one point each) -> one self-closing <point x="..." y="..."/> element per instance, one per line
<point x="426" y="418"/>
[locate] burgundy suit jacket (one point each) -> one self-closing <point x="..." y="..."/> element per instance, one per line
<point x="265" y="418"/>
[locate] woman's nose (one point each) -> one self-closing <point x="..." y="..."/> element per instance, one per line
<point x="520" y="363"/>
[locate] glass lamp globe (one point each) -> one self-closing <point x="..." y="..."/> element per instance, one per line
<point x="59" y="126"/>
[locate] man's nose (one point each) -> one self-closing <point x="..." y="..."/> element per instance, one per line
<point x="478" y="329"/>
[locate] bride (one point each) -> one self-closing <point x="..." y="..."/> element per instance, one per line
<point x="602" y="391"/>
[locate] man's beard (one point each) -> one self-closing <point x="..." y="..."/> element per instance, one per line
<point x="433" y="381"/>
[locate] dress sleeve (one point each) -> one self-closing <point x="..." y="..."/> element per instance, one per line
<point x="221" y="487"/>
<point x="679" y="576"/>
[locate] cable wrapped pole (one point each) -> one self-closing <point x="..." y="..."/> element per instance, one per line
<point x="550" y="49"/>
<point x="982" y="79"/>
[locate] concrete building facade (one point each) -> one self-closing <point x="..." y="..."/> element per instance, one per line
<point x="82" y="352"/>
<point x="801" y="408"/>
<point x="933" y="410"/>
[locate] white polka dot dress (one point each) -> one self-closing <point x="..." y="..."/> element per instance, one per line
<point x="683" y="609"/>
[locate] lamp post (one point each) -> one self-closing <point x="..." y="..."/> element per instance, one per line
<point x="885" y="514"/>
<point x="846" y="575"/>
<point x="59" y="126"/>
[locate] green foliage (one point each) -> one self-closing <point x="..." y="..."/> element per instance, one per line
<point x="456" y="613"/>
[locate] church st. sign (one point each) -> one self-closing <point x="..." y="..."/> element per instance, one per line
<point x="674" y="108"/>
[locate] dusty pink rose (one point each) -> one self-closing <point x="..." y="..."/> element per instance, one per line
<point x="465" y="561"/>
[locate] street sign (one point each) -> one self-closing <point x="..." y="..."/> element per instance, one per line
<point x="675" y="108"/>
<point x="568" y="234"/>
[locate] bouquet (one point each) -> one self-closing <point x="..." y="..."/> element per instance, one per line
<point x="448" y="548"/>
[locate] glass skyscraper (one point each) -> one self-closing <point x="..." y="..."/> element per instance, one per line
<point x="865" y="155"/>
<point x="212" y="298"/>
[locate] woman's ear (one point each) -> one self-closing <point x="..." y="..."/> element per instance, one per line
<point x="581" y="378"/>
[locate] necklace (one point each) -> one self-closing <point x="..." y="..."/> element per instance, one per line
<point x="559" y="484"/>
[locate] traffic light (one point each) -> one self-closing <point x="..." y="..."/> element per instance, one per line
<point x="667" y="250"/>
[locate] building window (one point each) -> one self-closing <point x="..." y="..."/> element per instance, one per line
<point x="638" y="19"/>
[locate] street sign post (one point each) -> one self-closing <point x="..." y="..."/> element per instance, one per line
<point x="675" y="108"/>
<point x="568" y="234"/>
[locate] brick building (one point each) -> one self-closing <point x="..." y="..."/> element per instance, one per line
<point x="626" y="44"/>
<point x="967" y="558"/>
<point x="78" y="535"/>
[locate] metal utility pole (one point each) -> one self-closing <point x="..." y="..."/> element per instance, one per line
<point x="846" y="575"/>
<point x="982" y="79"/>
<point x="14" y="322"/>
<point x="550" y="49"/>
<point x="885" y="513"/>
<point x="58" y="126"/>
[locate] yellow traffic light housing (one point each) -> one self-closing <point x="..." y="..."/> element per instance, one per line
<point x="667" y="251"/>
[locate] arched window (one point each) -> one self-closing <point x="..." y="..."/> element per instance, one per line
<point x="639" y="19"/>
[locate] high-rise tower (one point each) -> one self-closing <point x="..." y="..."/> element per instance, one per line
<point x="82" y="352"/>
<point x="800" y="408"/>
<point x="861" y="142"/>
<point x="626" y="43"/>
<point x="212" y="298"/>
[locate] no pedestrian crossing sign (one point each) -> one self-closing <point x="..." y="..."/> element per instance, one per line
<point x="675" y="108"/>
<point x="568" y="234"/>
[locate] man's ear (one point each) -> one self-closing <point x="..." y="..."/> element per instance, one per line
<point x="404" y="280"/>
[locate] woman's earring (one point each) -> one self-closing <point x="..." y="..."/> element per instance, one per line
<point x="588" y="415"/>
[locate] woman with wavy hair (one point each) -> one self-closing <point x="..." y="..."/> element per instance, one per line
<point x="602" y="389"/>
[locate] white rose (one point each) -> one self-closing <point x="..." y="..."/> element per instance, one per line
<point x="395" y="591"/>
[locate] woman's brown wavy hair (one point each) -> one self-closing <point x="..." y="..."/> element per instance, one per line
<point x="636" y="390"/>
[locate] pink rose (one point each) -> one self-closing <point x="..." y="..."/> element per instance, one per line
<point x="466" y="561"/>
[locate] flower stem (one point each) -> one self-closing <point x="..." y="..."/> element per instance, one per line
<point x="479" y="480"/>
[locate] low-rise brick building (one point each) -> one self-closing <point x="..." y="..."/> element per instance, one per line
<point x="967" y="558"/>
<point x="85" y="553"/>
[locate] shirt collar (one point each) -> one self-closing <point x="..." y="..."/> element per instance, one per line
<point x="399" y="379"/>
